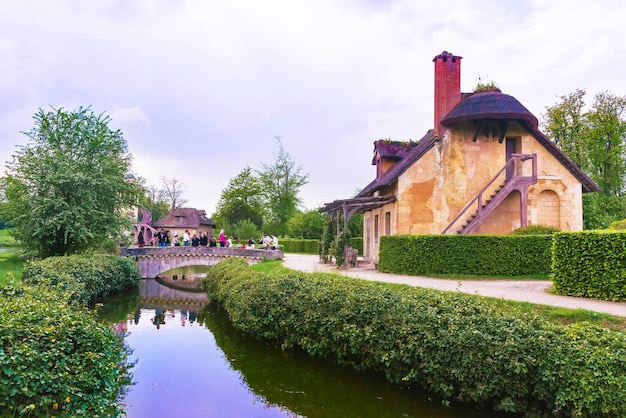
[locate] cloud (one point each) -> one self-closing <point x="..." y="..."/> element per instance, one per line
<point x="200" y="89"/>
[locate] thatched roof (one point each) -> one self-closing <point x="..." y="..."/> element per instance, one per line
<point x="184" y="218"/>
<point x="489" y="105"/>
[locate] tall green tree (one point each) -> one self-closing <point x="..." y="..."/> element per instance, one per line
<point x="306" y="225"/>
<point x="153" y="200"/>
<point x="65" y="191"/>
<point x="281" y="183"/>
<point x="595" y="139"/>
<point x="241" y="200"/>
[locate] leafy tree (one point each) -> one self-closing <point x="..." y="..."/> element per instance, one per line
<point x="355" y="225"/>
<point x="306" y="225"/>
<point x="280" y="183"/>
<point x="65" y="191"/>
<point x="243" y="230"/>
<point x="153" y="200"/>
<point x="172" y="192"/>
<point x="565" y="123"/>
<point x="595" y="140"/>
<point x="241" y="200"/>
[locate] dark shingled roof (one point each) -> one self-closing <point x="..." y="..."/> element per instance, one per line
<point x="401" y="166"/>
<point x="392" y="149"/>
<point x="189" y="218"/>
<point x="489" y="105"/>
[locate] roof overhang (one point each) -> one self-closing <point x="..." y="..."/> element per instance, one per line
<point x="357" y="204"/>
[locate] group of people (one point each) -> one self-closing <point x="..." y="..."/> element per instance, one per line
<point x="162" y="238"/>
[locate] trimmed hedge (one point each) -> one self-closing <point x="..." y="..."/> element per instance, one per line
<point x="292" y="245"/>
<point x="56" y="359"/>
<point x="454" y="345"/>
<point x="497" y="255"/>
<point x="590" y="264"/>
<point x="84" y="277"/>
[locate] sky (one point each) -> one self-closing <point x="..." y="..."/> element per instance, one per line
<point x="202" y="89"/>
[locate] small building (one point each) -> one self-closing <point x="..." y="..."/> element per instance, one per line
<point x="484" y="168"/>
<point x="178" y="220"/>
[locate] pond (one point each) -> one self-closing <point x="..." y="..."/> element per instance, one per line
<point x="190" y="362"/>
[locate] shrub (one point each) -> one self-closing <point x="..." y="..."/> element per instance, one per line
<point x="618" y="225"/>
<point x="590" y="264"/>
<point x="293" y="245"/>
<point x="56" y="359"/>
<point x="489" y="255"/>
<point x="453" y="345"/>
<point x="535" y="230"/>
<point x="83" y="277"/>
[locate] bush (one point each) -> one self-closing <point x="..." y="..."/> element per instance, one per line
<point x="488" y="255"/>
<point x="292" y="245"/>
<point x="454" y="345"/>
<point x="590" y="264"/>
<point x="535" y="230"/>
<point x="83" y="277"/>
<point x="56" y="359"/>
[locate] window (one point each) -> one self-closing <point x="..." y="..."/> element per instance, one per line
<point x="375" y="229"/>
<point x="387" y="223"/>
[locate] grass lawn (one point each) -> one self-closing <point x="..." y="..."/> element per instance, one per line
<point x="10" y="261"/>
<point x="553" y="314"/>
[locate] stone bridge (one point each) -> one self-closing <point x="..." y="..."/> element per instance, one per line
<point x="155" y="260"/>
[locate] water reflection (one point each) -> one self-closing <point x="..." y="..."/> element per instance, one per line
<point x="191" y="363"/>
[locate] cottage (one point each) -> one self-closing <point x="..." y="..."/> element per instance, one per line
<point x="181" y="219"/>
<point x="484" y="168"/>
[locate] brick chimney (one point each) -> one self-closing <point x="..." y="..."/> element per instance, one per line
<point x="447" y="86"/>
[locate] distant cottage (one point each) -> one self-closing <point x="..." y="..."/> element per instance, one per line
<point x="178" y="220"/>
<point x="485" y="168"/>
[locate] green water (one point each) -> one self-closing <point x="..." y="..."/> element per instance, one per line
<point x="192" y="363"/>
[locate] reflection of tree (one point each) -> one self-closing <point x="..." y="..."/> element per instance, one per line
<point x="119" y="307"/>
<point x="309" y="387"/>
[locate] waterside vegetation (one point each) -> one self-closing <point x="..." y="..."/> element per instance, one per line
<point x="459" y="347"/>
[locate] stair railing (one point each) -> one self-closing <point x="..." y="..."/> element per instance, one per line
<point x="514" y="160"/>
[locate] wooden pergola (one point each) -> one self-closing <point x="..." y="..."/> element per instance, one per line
<point x="345" y="208"/>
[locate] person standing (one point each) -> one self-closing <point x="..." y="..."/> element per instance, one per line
<point x="222" y="238"/>
<point x="186" y="238"/>
<point x="266" y="242"/>
<point x="274" y="242"/>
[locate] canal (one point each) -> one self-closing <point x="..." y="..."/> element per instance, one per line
<point x="190" y="362"/>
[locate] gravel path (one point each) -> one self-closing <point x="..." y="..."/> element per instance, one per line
<point x="534" y="291"/>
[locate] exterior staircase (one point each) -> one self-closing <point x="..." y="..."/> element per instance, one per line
<point x="510" y="177"/>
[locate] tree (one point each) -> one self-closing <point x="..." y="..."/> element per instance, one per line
<point x="241" y="200"/>
<point x="65" y="191"/>
<point x="280" y="184"/>
<point x="596" y="141"/>
<point x="307" y="225"/>
<point x="172" y="192"/>
<point x="153" y="200"/>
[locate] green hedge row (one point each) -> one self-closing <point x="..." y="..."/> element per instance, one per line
<point x="56" y="359"/>
<point x="84" y="277"/>
<point x="502" y="255"/>
<point x="590" y="264"/>
<point x="454" y="345"/>
<point x="311" y="246"/>
<point x="293" y="245"/>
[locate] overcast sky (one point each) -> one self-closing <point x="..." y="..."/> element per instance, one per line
<point x="200" y="89"/>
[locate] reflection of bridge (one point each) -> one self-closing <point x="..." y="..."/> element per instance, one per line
<point x="154" y="260"/>
<point x="154" y="293"/>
